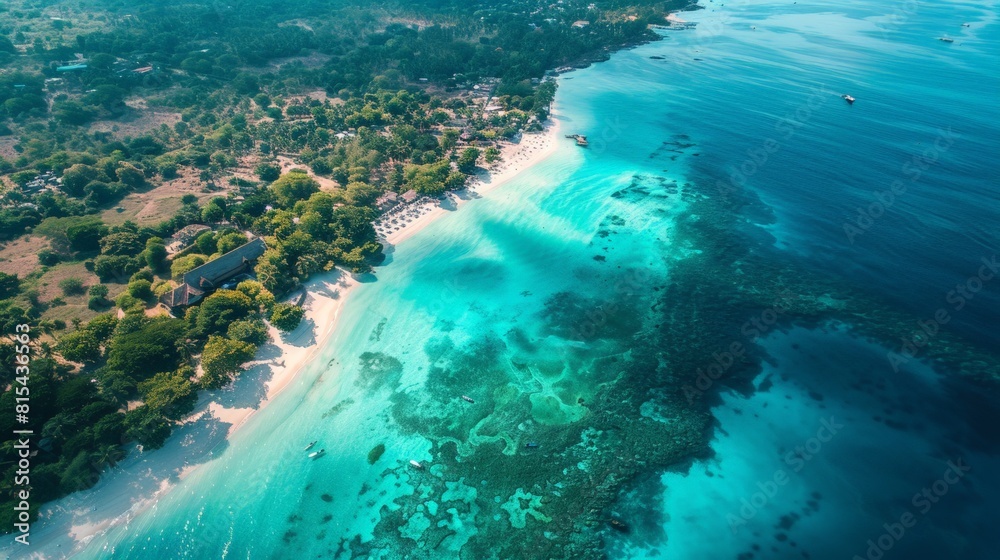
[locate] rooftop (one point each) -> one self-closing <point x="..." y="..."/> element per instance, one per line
<point x="208" y="275"/>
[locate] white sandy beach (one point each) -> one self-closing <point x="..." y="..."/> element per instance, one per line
<point x="65" y="526"/>
<point x="515" y="158"/>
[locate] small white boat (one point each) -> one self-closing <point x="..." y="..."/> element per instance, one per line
<point x="310" y="446"/>
<point x="416" y="464"/>
<point x="848" y="98"/>
<point x="946" y="39"/>
<point x="317" y="454"/>
<point x="467" y="399"/>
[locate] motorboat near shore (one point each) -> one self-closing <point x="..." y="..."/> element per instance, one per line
<point x="468" y="399"/>
<point x="310" y="446"/>
<point x="317" y="454"/>
<point x="416" y="464"/>
<point x="581" y="140"/>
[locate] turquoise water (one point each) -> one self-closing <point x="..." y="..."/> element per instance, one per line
<point x="575" y="303"/>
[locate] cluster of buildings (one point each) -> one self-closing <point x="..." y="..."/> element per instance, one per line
<point x="44" y="182"/>
<point x="390" y="200"/>
<point x="124" y="69"/>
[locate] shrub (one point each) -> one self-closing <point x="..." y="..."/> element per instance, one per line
<point x="168" y="170"/>
<point x="48" y="258"/>
<point x="98" y="290"/>
<point x="140" y="289"/>
<point x="161" y="287"/>
<point x="268" y="172"/>
<point x="72" y="286"/>
<point x="127" y="301"/>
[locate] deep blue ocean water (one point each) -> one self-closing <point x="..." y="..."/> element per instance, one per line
<point x="776" y="70"/>
<point x="750" y="99"/>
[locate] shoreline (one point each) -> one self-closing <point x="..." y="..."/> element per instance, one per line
<point x="67" y="525"/>
<point x="514" y="159"/>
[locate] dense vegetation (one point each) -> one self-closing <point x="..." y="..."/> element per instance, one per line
<point x="370" y="99"/>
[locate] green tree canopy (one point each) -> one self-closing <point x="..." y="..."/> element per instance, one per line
<point x="182" y="265"/>
<point x="151" y="349"/>
<point x="10" y="284"/>
<point x="147" y="426"/>
<point x="170" y="393"/>
<point x="467" y="161"/>
<point x="80" y="346"/>
<point x="293" y="187"/>
<point x="286" y="316"/>
<point x="222" y="358"/>
<point x="124" y="243"/>
<point x="253" y="331"/>
<point x="156" y="254"/>
<point x="220" y="309"/>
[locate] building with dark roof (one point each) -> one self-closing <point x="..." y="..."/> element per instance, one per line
<point x="209" y="276"/>
<point x="182" y="296"/>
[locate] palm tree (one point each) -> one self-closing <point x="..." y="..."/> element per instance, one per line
<point x="58" y="426"/>
<point x="108" y="455"/>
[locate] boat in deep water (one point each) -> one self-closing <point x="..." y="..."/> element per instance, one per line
<point x="848" y="99"/>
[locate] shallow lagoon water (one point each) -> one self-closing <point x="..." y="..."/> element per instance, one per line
<point x="525" y="299"/>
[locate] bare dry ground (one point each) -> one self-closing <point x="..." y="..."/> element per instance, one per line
<point x="20" y="256"/>
<point x="48" y="284"/>
<point x="318" y="95"/>
<point x="310" y="60"/>
<point x="419" y="23"/>
<point x="7" y="147"/>
<point x="162" y="201"/>
<point x="136" y="121"/>
<point x="245" y="166"/>
<point x="74" y="306"/>
<point x="325" y="184"/>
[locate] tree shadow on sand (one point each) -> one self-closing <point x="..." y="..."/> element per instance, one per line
<point x="137" y="478"/>
<point x="250" y="389"/>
